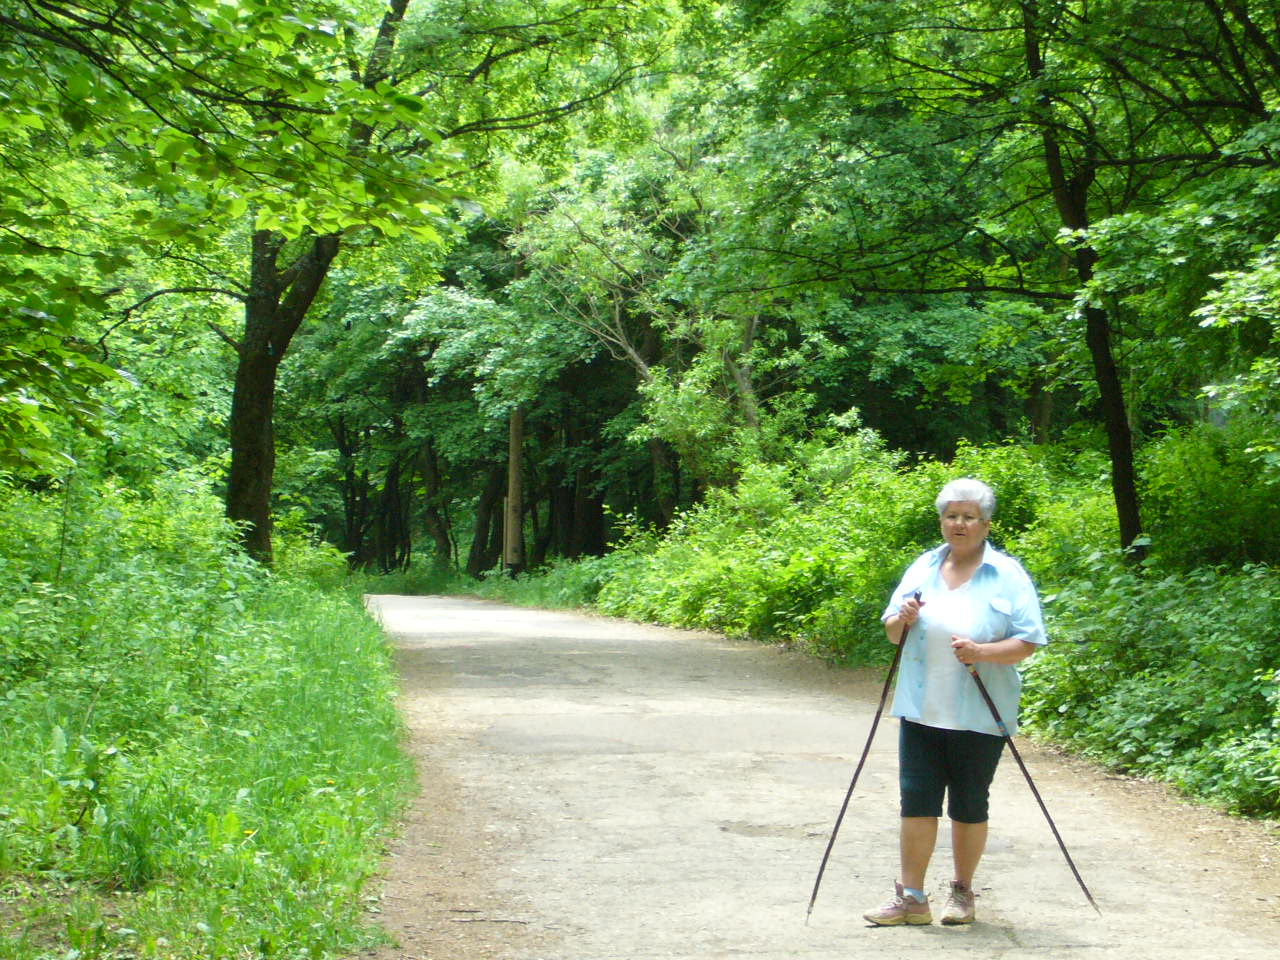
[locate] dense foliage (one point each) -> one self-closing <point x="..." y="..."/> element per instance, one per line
<point x="199" y="759"/>
<point x="658" y="242"/>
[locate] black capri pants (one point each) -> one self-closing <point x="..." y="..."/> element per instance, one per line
<point x="959" y="763"/>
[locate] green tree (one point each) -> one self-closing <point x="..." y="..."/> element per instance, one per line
<point x="975" y="150"/>
<point x="212" y="107"/>
<point x="474" y="76"/>
<point x="316" y="122"/>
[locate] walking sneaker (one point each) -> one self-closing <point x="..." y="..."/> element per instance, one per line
<point x="901" y="909"/>
<point x="959" y="908"/>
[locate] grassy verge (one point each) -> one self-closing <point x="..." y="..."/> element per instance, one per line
<point x="199" y="760"/>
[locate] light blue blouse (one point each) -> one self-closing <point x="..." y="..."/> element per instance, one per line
<point x="1002" y="604"/>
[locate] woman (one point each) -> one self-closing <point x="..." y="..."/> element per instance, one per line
<point x="976" y="606"/>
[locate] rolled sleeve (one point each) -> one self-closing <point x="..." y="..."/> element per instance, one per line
<point x="1026" y="621"/>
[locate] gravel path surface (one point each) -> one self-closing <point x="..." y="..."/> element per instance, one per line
<point x="599" y="790"/>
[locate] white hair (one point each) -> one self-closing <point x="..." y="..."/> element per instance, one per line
<point x="967" y="488"/>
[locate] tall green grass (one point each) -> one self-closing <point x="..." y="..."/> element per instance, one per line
<point x="200" y="759"/>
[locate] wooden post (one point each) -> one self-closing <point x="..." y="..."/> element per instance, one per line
<point x="513" y="527"/>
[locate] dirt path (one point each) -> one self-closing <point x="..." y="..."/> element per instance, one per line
<point x="599" y="790"/>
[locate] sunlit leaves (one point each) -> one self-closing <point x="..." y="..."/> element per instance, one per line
<point x="214" y="109"/>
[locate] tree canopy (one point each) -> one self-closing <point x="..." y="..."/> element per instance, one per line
<point x="672" y="240"/>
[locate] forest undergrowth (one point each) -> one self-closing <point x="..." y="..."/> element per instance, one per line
<point x="200" y="759"/>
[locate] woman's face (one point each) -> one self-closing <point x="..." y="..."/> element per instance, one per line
<point x="963" y="527"/>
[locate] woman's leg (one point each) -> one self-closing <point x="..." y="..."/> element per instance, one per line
<point x="916" y="842"/>
<point x="968" y="841"/>
<point x="922" y="783"/>
<point x="972" y="760"/>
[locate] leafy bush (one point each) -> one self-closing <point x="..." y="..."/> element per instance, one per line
<point x="756" y="560"/>
<point x="810" y="554"/>
<point x="1207" y="501"/>
<point x="423" y="577"/>
<point x="562" y="584"/>
<point x="1171" y="676"/>
<point x="217" y="746"/>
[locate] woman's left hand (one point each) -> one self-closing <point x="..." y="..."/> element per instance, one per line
<point x="966" y="650"/>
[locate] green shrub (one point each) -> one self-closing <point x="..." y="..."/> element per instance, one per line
<point x="425" y="576"/>
<point x="1206" y="501"/>
<point x="560" y="585"/>
<point x="1170" y="676"/>
<point x="810" y="555"/>
<point x="755" y="560"/>
<point x="216" y="745"/>
<point x="1070" y="528"/>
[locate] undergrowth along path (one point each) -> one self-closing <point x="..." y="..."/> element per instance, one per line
<point x="594" y="789"/>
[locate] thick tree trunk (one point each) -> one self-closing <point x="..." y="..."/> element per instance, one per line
<point x="277" y="302"/>
<point x="253" y="452"/>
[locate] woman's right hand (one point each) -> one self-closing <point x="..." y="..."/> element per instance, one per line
<point x="896" y="626"/>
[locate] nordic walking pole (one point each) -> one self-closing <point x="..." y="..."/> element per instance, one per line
<point x="875" y="722"/>
<point x="995" y="713"/>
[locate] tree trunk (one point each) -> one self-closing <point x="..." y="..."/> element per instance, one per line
<point x="253" y="452"/>
<point x="277" y="302"/>
<point x="1124" y="484"/>
<point x="434" y="516"/>
<point x="497" y="530"/>
<point x="1071" y="196"/>
<point x="355" y="494"/>
<point x="393" y="543"/>
<point x="481" y="556"/>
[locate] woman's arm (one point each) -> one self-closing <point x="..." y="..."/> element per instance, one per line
<point x="1009" y="651"/>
